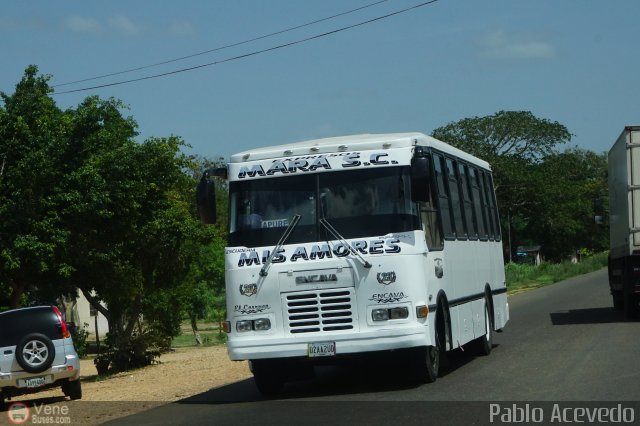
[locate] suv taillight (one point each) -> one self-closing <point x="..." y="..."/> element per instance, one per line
<point x="63" y="325"/>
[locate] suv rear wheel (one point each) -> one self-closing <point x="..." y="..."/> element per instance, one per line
<point x="35" y="353"/>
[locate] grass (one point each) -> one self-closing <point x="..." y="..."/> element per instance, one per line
<point x="520" y="277"/>
<point x="209" y="332"/>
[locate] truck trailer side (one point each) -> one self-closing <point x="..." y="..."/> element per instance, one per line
<point x="624" y="214"/>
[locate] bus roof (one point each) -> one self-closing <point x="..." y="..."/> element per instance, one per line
<point x="362" y="142"/>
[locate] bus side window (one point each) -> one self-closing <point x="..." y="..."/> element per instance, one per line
<point x="443" y="197"/>
<point x="456" y="202"/>
<point x="430" y="217"/>
<point x="479" y="204"/>
<point x="470" y="217"/>
<point x="494" y="207"/>
<point x="488" y="191"/>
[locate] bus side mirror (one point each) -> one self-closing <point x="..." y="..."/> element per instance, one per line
<point x="206" y="199"/>
<point x="420" y="177"/>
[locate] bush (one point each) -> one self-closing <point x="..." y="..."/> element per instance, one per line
<point x="80" y="335"/>
<point x="140" y="351"/>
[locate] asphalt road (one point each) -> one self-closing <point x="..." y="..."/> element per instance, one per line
<point x="564" y="343"/>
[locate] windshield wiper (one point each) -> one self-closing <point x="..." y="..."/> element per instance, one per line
<point x="340" y="238"/>
<point x="281" y="241"/>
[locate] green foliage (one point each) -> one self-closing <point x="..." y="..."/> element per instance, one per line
<point x="505" y="134"/>
<point x="84" y="206"/>
<point x="139" y="351"/>
<point x="32" y="129"/>
<point x="79" y="336"/>
<point x="562" y="217"/>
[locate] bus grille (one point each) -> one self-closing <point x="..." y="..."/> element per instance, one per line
<point x="320" y="310"/>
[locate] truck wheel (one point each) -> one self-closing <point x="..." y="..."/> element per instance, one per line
<point x="630" y="303"/>
<point x="618" y="300"/>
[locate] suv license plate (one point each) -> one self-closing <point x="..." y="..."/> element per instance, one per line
<point x="321" y="349"/>
<point x="34" y="382"/>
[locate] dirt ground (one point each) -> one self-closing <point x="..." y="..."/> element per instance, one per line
<point x="179" y="374"/>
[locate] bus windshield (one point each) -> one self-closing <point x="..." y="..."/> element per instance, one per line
<point x="357" y="203"/>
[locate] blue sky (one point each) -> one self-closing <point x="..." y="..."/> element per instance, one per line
<point x="571" y="61"/>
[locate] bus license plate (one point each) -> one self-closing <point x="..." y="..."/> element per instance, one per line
<point x="321" y="349"/>
<point x="34" y="382"/>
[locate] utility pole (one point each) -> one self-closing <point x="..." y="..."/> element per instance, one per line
<point x="509" y="226"/>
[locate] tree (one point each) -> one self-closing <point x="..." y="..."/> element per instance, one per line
<point x="505" y="134"/>
<point x="32" y="128"/>
<point x="84" y="206"/>
<point x="569" y="182"/>
<point x="538" y="199"/>
<point x="133" y="236"/>
<point x="204" y="288"/>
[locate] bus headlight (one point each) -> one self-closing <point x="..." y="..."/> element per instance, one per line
<point x="262" y="324"/>
<point x="244" y="325"/>
<point x="399" y="313"/>
<point x="390" y="314"/>
<point x="380" y="314"/>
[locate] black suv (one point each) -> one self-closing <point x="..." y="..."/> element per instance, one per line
<point x="37" y="352"/>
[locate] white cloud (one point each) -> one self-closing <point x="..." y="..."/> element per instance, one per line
<point x="181" y="28"/>
<point x="505" y="45"/>
<point x="82" y="24"/>
<point x="124" y="25"/>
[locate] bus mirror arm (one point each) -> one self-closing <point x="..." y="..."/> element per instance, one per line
<point x="206" y="199"/>
<point x="340" y="238"/>
<point x="283" y="239"/>
<point x="206" y="194"/>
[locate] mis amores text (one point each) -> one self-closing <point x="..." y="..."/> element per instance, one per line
<point x="317" y="251"/>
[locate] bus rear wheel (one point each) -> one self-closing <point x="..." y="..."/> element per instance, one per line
<point x="484" y="344"/>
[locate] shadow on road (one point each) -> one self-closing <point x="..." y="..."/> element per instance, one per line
<point x="32" y="402"/>
<point x="378" y="374"/>
<point x="587" y="316"/>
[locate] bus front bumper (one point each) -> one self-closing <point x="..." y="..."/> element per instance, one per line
<point x="345" y="343"/>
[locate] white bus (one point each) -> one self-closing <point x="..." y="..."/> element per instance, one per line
<point x="344" y="246"/>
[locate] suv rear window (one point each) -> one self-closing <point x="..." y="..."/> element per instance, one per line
<point x="20" y="322"/>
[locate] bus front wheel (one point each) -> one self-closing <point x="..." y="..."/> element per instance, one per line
<point x="429" y="361"/>
<point x="268" y="377"/>
<point x="426" y="363"/>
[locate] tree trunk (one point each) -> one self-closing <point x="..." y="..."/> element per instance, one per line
<point x="14" y="300"/>
<point x="196" y="332"/>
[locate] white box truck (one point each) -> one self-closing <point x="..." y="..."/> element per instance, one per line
<point x="624" y="219"/>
